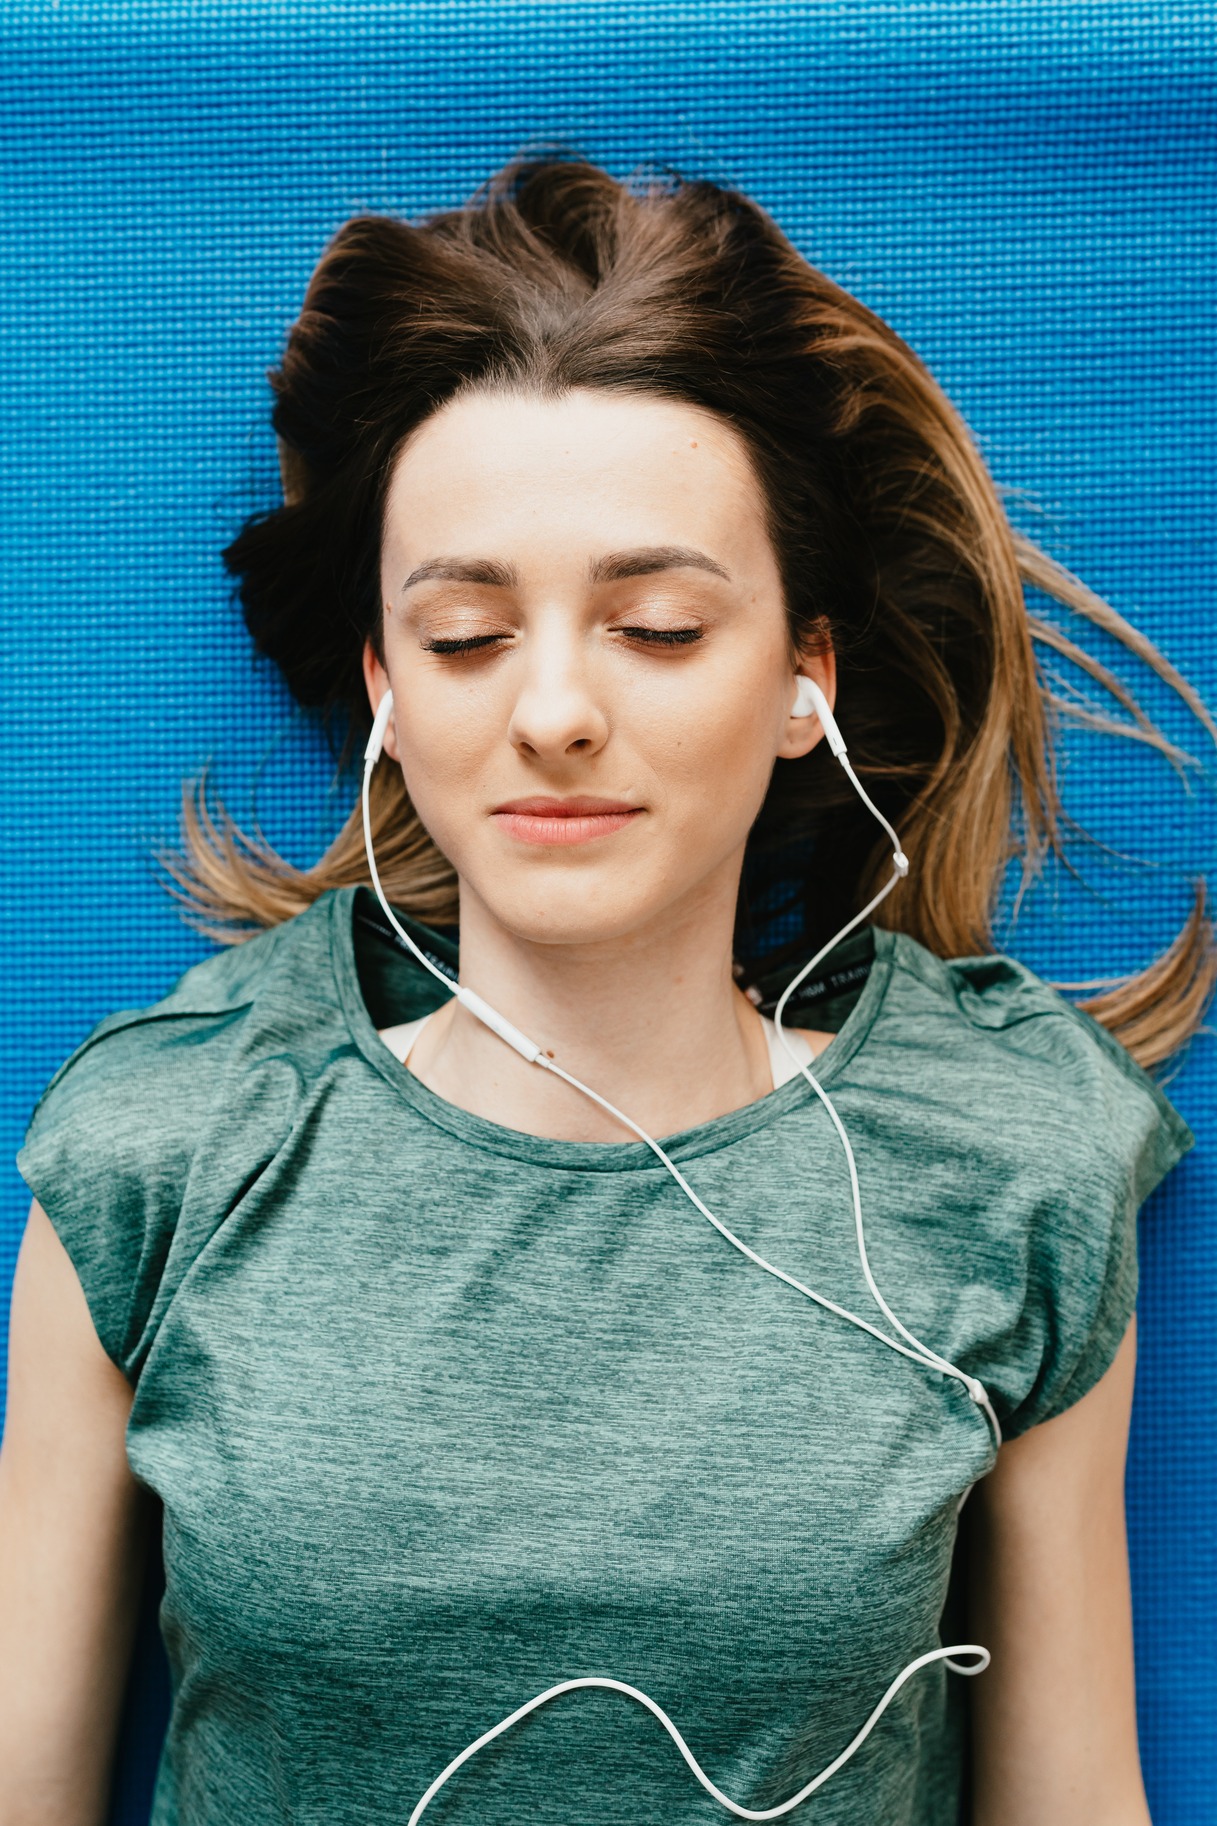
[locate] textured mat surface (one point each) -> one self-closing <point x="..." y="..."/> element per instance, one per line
<point x="1024" y="190"/>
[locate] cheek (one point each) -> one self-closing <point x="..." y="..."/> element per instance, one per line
<point x="441" y="761"/>
<point x="718" y="763"/>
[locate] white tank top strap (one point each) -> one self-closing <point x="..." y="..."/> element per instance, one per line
<point x="401" y="1038"/>
<point x="782" y="1065"/>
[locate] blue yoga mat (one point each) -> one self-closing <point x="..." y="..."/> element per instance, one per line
<point x="1024" y="190"/>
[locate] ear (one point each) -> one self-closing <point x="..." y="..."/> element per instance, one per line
<point x="801" y="733"/>
<point x="377" y="682"/>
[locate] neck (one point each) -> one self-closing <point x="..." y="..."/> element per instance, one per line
<point x="652" y="1021"/>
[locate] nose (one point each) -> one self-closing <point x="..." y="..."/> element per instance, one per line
<point x="557" y="712"/>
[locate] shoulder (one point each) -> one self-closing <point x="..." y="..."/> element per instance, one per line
<point x="1039" y="1136"/>
<point x="1036" y="1066"/>
<point x="209" y="1073"/>
<point x="185" y="1037"/>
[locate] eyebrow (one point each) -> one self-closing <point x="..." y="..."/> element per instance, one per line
<point x="607" y="569"/>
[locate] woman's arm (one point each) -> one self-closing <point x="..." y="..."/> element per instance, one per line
<point x="73" y="1534"/>
<point x="1054" y="1714"/>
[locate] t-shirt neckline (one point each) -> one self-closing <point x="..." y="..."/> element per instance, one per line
<point x="594" y="1156"/>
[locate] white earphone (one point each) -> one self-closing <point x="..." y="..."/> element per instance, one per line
<point x="809" y="701"/>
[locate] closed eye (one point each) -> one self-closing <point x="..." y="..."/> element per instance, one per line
<point x="466" y="645"/>
<point x="663" y="637"/>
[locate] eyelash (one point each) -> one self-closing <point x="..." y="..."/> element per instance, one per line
<point x="460" y="646"/>
<point x="664" y="637"/>
<point x="651" y="637"/>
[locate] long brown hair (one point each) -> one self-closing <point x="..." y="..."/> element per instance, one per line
<point x="891" y="539"/>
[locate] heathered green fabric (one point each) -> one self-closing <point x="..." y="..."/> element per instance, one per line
<point x="442" y="1414"/>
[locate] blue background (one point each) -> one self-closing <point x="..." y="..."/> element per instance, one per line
<point x="1025" y="191"/>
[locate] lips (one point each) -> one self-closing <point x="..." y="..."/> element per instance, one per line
<point x="563" y="821"/>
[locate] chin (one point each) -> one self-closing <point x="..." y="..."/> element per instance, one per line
<point x="572" y="914"/>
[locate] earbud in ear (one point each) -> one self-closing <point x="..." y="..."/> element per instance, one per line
<point x="384" y="711"/>
<point x="809" y="700"/>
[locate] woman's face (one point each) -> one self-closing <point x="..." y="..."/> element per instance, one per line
<point x="589" y="658"/>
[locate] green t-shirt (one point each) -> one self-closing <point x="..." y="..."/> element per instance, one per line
<point x="442" y="1414"/>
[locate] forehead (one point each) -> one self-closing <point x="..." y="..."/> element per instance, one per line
<point x="589" y="469"/>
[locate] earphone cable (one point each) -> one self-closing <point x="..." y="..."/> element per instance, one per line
<point x="742" y="1813"/>
<point x="535" y="1055"/>
<point x="973" y="1384"/>
<point x="529" y="1050"/>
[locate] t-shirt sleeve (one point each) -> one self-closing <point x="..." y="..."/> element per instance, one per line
<point x="107" y="1153"/>
<point x="1082" y="1267"/>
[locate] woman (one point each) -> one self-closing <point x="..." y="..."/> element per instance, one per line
<point x="496" y="1483"/>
